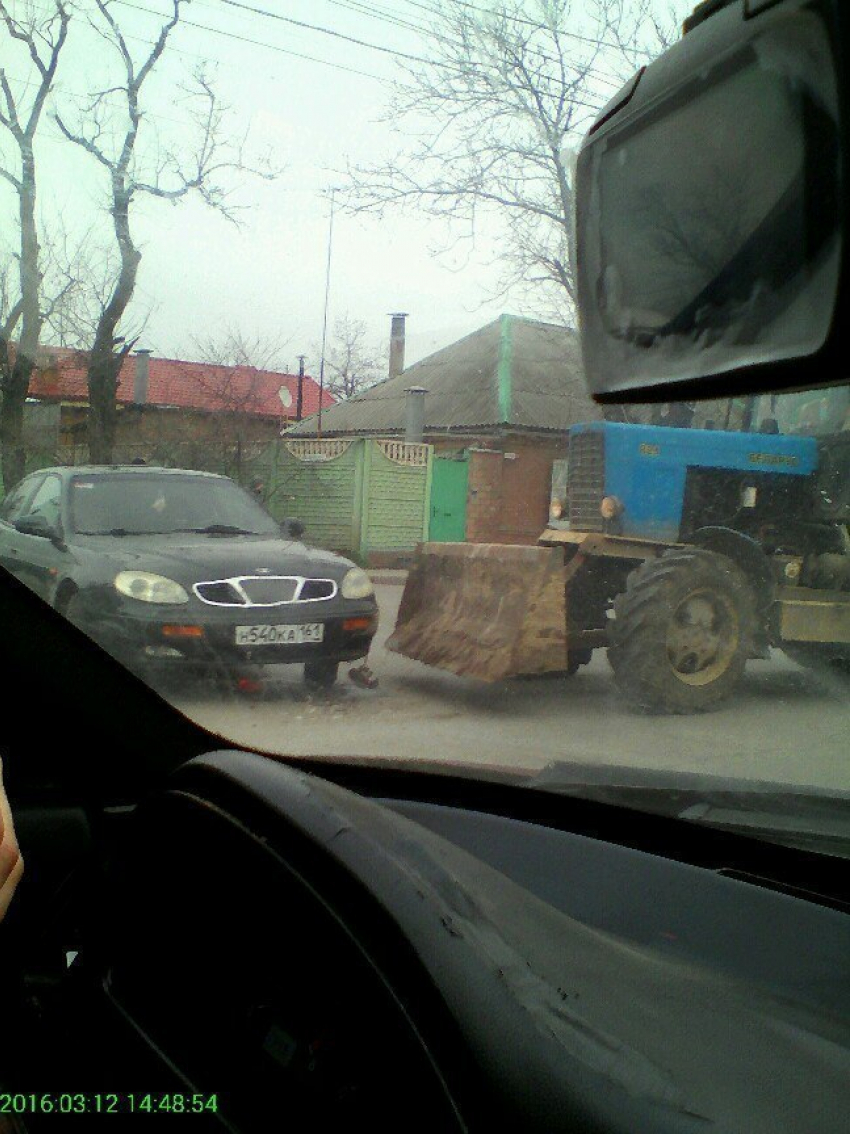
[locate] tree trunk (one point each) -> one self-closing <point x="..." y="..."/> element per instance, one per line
<point x="104" y="370"/>
<point x="15" y="387"/>
<point x="16" y="379"/>
<point x="104" y="362"/>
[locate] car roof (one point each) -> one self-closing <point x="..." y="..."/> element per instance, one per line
<point x="106" y="470"/>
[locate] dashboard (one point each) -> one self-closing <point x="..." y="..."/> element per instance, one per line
<point x="305" y="951"/>
<point x="323" y="945"/>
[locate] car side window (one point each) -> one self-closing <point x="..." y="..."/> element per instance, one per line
<point x="16" y="502"/>
<point x="47" y="500"/>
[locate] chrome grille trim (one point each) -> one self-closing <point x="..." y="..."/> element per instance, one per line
<point x="586" y="481"/>
<point x="237" y="581"/>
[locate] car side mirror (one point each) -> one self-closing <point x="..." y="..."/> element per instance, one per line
<point x="292" y="528"/>
<point x="36" y="525"/>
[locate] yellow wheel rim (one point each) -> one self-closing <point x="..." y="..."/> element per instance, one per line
<point x="702" y="637"/>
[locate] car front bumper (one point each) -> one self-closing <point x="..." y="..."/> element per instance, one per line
<point x="206" y="636"/>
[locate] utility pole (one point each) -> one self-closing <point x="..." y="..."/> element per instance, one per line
<point x="325" y="321"/>
<point x="299" y="401"/>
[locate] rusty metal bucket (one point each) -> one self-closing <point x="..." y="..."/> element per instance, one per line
<point x="484" y="610"/>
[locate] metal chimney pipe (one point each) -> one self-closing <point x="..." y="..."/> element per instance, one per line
<point x="141" y="377"/>
<point x="397" y="343"/>
<point x="414" y="414"/>
<point x="299" y="404"/>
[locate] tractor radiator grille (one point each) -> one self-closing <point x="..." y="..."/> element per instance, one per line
<point x="586" y="481"/>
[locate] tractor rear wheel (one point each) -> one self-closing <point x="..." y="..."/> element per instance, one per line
<point x="682" y="631"/>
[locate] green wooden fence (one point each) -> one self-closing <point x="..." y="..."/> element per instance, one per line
<point x="361" y="496"/>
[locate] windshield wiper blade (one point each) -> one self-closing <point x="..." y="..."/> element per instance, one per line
<point x="115" y="532"/>
<point x="121" y="532"/>
<point x="218" y="529"/>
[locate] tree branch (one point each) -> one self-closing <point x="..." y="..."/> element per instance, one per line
<point x="10" y="177"/>
<point x="83" y="143"/>
<point x="10" y="119"/>
<point x="11" y="321"/>
<point x="489" y="121"/>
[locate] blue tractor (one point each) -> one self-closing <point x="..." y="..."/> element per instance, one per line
<point x="684" y="552"/>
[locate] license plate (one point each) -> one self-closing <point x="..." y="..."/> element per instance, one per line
<point x="280" y="635"/>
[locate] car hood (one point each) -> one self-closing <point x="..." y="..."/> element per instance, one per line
<point x="189" y="557"/>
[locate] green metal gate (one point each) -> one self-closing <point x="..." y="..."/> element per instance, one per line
<point x="358" y="496"/>
<point x="448" y="500"/>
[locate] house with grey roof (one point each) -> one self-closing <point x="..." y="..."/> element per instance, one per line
<point x="497" y="406"/>
<point x="514" y="373"/>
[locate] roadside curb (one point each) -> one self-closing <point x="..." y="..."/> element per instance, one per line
<point x="393" y="578"/>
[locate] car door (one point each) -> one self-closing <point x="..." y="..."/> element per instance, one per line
<point x="14" y="506"/>
<point x="40" y="557"/>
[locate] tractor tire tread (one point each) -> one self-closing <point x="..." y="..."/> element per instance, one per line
<point x="637" y="653"/>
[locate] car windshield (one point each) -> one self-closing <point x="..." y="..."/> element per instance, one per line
<point x="327" y="251"/>
<point x="147" y="504"/>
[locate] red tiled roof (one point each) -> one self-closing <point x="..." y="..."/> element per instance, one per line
<point x="188" y="385"/>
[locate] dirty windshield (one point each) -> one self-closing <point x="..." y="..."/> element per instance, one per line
<point x="294" y="422"/>
<point x="150" y="504"/>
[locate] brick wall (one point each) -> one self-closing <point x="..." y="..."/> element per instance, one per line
<point x="181" y="438"/>
<point x="527" y="485"/>
<point x="484" y="495"/>
<point x="509" y="489"/>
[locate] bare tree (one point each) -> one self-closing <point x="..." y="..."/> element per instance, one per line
<point x="42" y="38"/>
<point x="172" y="177"/>
<point x="234" y="381"/>
<point x="491" y="123"/>
<point x="79" y="276"/>
<point x="234" y="347"/>
<point x="351" y="364"/>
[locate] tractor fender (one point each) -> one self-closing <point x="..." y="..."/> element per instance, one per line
<point x="745" y="553"/>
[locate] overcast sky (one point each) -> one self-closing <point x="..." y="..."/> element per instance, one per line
<point x="295" y="91"/>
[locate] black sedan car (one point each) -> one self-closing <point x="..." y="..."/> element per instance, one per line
<point x="171" y="567"/>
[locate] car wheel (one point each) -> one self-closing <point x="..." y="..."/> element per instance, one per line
<point x="320" y="674"/>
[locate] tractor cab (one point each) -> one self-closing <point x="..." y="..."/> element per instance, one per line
<point x="657" y="482"/>
<point x="810" y="413"/>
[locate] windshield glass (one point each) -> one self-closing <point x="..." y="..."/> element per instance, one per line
<point x="138" y="504"/>
<point x="327" y="252"/>
<point x="818" y="413"/>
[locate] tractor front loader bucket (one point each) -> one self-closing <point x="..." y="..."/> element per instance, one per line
<point x="485" y="610"/>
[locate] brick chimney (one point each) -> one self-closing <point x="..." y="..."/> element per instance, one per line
<point x="397" y="343"/>
<point x="141" y="377"/>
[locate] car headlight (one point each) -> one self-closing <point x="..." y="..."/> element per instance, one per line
<point x="146" y="587"/>
<point x="356" y="584"/>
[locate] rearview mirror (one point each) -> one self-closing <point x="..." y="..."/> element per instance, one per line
<point x="292" y="528"/>
<point x="711" y="211"/>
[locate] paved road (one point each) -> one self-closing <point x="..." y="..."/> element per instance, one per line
<point x="782" y="724"/>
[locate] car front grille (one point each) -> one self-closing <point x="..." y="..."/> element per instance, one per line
<point x="586" y="481"/>
<point x="264" y="590"/>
